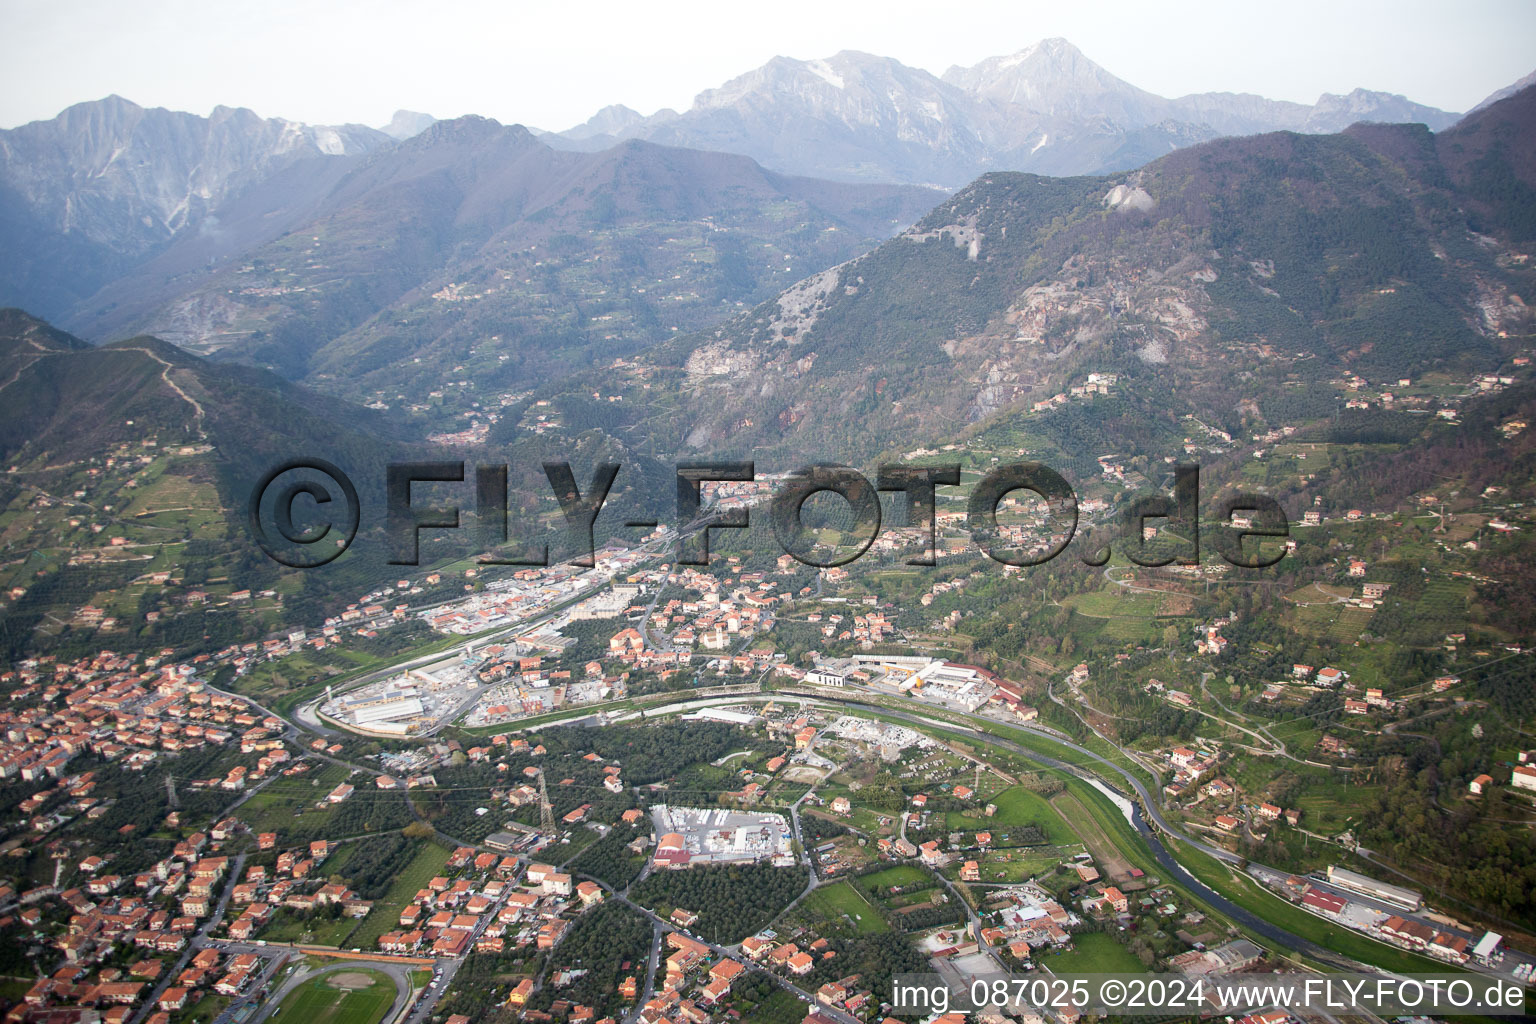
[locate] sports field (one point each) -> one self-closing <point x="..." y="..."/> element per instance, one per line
<point x="342" y="997"/>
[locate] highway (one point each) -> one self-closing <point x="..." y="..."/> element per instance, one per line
<point x="308" y="712"/>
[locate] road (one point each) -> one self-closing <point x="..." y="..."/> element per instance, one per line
<point x="974" y="920"/>
<point x="807" y="855"/>
<point x="645" y="621"/>
<point x="722" y="951"/>
<point x="650" y="975"/>
<point x="271" y="963"/>
<point x="444" y="971"/>
<point x="195" y="943"/>
<point x="1148" y="806"/>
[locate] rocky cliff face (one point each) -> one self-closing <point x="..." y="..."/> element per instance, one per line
<point x="1219" y="282"/>
<point x="105" y="185"/>
<point x="118" y="173"/>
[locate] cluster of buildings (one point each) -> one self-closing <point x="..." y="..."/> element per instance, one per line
<point x="786" y="957"/>
<point x="1096" y="384"/>
<point x="1031" y="920"/>
<point x="694" y="985"/>
<point x="727" y="609"/>
<point x="393" y="706"/>
<point x="506" y="602"/>
<point x="1187" y="767"/>
<point x="687" y="836"/>
<point x="866" y="630"/>
<point x="1445" y="407"/>
<point x="115" y="993"/>
<point x="487" y="910"/>
<point x="294" y="884"/>
<point x="1522" y="776"/>
<point x="124" y="709"/>
<point x="1237" y="955"/>
<point x="931" y="679"/>
<point x="524" y="687"/>
<point x="529" y="592"/>
<point x="888" y="738"/>
<point x="1387" y="912"/>
<point x="119" y="929"/>
<point x="943" y="587"/>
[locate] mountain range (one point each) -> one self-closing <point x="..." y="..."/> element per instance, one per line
<point x="104" y="186"/>
<point x="450" y="268"/>
<point x="71" y="401"/>
<point x="644" y="303"/>
<point x="1047" y="109"/>
<point x="1222" y="281"/>
<point x="1226" y="287"/>
<point x="431" y="252"/>
<point x="330" y="251"/>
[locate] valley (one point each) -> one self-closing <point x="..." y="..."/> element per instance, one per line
<point x="710" y="775"/>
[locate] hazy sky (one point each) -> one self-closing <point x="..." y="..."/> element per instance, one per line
<point x="552" y="65"/>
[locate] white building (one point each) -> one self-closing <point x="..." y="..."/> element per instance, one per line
<point x="1524" y="777"/>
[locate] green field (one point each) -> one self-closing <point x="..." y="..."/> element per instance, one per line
<point x="1016" y="865"/>
<point x="910" y="899"/>
<point x="1018" y="805"/>
<point x="1350" y="624"/>
<point x="900" y="875"/>
<point x="318" y="929"/>
<point x="1241" y="890"/>
<point x="779" y="1008"/>
<point x="207" y="1008"/>
<point x="285" y="799"/>
<point x="385" y="915"/>
<point x="863" y="818"/>
<point x="1131" y="631"/>
<point x="833" y="902"/>
<point x="1114" y="834"/>
<point x="1114" y="603"/>
<point x="1095" y="954"/>
<point x="320" y="1002"/>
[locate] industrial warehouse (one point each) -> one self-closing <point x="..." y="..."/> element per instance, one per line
<point x="407" y="704"/>
<point x="712" y="835"/>
<point x="1367" y="886"/>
